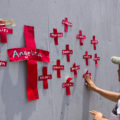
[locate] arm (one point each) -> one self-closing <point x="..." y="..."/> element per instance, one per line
<point x="107" y="94"/>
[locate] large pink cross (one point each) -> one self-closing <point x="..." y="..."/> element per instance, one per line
<point x="96" y="58"/>
<point x="3" y="33"/>
<point x="81" y="37"/>
<point x="55" y="35"/>
<point x="74" y="69"/>
<point x="67" y="52"/>
<point x="86" y="57"/>
<point x="66" y="24"/>
<point x="32" y="55"/>
<point x="45" y="77"/>
<point x="94" y="42"/>
<point x="67" y="85"/>
<point x="58" y="67"/>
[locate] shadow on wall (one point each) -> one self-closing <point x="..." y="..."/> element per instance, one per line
<point x="14" y="99"/>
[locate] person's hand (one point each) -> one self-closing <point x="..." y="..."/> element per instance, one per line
<point x="97" y="115"/>
<point x="89" y="82"/>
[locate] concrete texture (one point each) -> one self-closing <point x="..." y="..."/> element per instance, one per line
<point x="94" y="17"/>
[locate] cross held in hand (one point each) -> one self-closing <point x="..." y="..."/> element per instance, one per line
<point x="45" y="77"/>
<point x="3" y="33"/>
<point x="81" y="37"/>
<point x="67" y="85"/>
<point x="66" y="24"/>
<point x="86" y="57"/>
<point x="86" y="73"/>
<point x="74" y="69"/>
<point x="94" y="42"/>
<point x="96" y="58"/>
<point x="67" y="52"/>
<point x="55" y="35"/>
<point x="58" y="67"/>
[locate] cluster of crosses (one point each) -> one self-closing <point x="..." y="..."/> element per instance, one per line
<point x="32" y="55"/>
<point x="68" y="52"/>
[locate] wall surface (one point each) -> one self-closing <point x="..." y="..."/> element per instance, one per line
<point x="94" y="17"/>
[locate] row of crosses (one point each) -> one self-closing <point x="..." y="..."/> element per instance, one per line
<point x="79" y="36"/>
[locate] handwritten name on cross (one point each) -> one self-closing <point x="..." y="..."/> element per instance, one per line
<point x="66" y="23"/>
<point x="45" y="78"/>
<point x="67" y="85"/>
<point x="32" y="55"/>
<point x="55" y="35"/>
<point x="74" y="69"/>
<point x="86" y="57"/>
<point x="81" y="37"/>
<point x="67" y="52"/>
<point x="58" y="67"/>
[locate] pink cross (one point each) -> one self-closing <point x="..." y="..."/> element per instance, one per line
<point x="81" y="37"/>
<point x="32" y="55"/>
<point x="45" y="77"/>
<point x="74" y="69"/>
<point x="66" y="24"/>
<point x="3" y="32"/>
<point x="67" y="52"/>
<point x="67" y="85"/>
<point x="94" y="42"/>
<point x="55" y="35"/>
<point x="86" y="57"/>
<point x="86" y="73"/>
<point x="3" y="63"/>
<point x="96" y="58"/>
<point x="58" y="67"/>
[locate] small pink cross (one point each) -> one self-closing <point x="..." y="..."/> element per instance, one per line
<point x="45" y="77"/>
<point x="67" y="52"/>
<point x="67" y="85"/>
<point x="86" y="73"/>
<point x="74" y="69"/>
<point x="66" y="24"/>
<point x="94" y="42"/>
<point x="3" y="33"/>
<point x="86" y="57"/>
<point x="81" y="37"/>
<point x="3" y="63"/>
<point x="58" y="67"/>
<point x="96" y="58"/>
<point x="55" y="35"/>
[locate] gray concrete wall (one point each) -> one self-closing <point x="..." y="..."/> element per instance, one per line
<point x="99" y="17"/>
